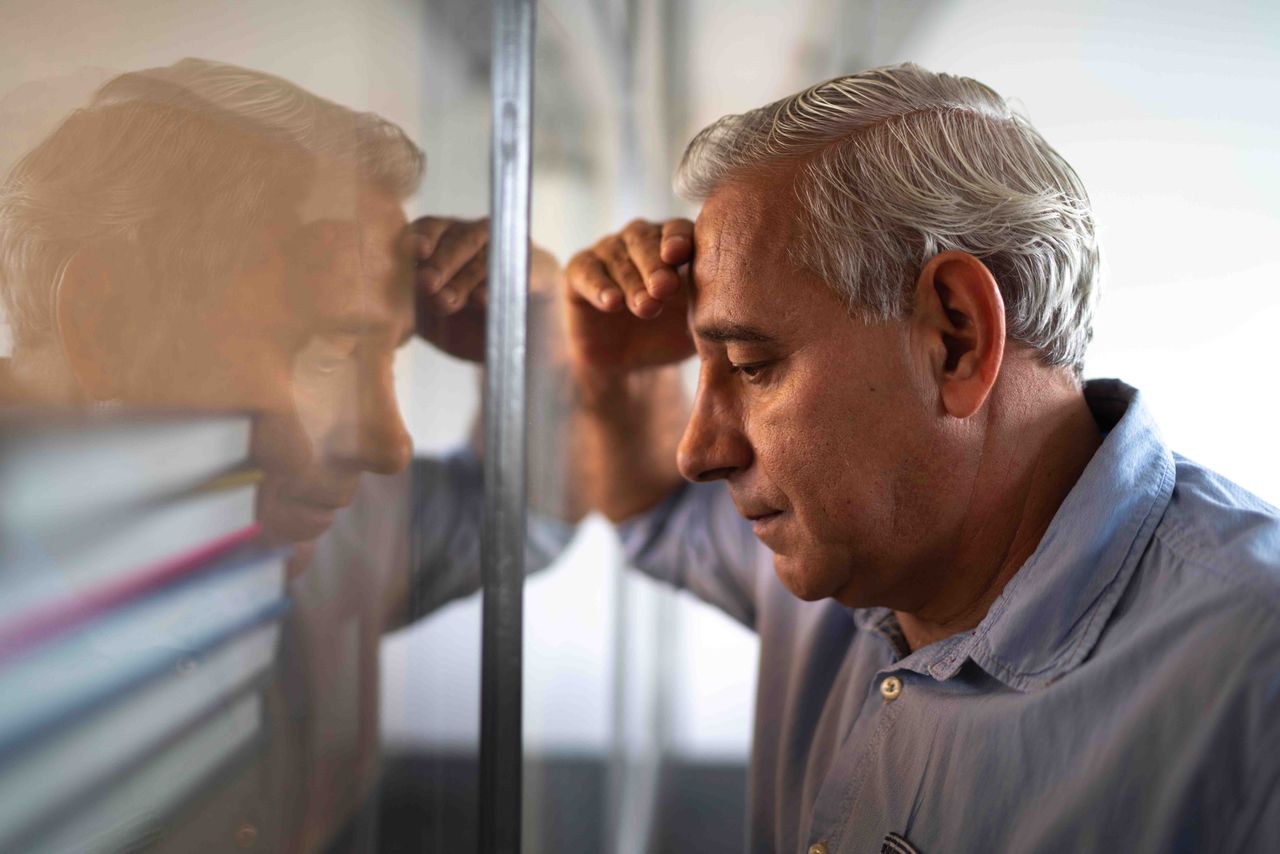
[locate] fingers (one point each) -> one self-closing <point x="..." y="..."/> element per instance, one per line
<point x="677" y="242"/>
<point x="590" y="282"/>
<point x="636" y="268"/>
<point x="451" y="261"/>
<point x="466" y="283"/>
<point x="616" y="257"/>
<point x="643" y="242"/>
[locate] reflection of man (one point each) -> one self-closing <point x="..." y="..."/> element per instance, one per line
<point x="203" y="235"/>
<point x="1009" y="618"/>
<point x="206" y="236"/>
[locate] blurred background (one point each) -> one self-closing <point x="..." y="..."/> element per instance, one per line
<point x="638" y="701"/>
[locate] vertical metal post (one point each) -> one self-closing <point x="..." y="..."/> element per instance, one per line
<point x="502" y="552"/>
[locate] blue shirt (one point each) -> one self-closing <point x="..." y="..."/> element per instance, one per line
<point x="1122" y="693"/>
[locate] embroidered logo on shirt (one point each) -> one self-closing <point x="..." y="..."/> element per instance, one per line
<point x="897" y="844"/>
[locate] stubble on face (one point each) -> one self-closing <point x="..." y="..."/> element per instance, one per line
<point x="839" y="428"/>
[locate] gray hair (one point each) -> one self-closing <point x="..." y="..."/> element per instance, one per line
<point x="184" y="166"/>
<point x="898" y="164"/>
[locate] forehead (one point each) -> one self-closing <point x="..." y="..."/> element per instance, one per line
<point x="742" y="269"/>
<point x="744" y="223"/>
<point x="357" y="259"/>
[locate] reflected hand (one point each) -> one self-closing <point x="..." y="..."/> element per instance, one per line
<point x="628" y="296"/>
<point x="451" y="274"/>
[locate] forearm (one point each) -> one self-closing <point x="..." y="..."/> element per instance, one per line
<point x="626" y="428"/>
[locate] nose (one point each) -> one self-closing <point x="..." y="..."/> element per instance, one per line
<point x="713" y="446"/>
<point x="377" y="441"/>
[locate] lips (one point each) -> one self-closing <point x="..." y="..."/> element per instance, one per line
<point x="320" y="501"/>
<point x="764" y="517"/>
<point x="763" y="523"/>
<point x="299" y="516"/>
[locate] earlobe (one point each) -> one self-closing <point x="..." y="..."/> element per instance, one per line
<point x="960" y="314"/>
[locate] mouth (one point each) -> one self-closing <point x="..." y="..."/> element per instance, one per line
<point x="763" y="523"/>
<point x="295" y="522"/>
<point x="298" y="518"/>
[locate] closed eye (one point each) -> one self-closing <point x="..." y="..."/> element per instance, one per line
<point x="751" y="371"/>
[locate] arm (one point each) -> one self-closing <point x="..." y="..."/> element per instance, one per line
<point x="625" y="307"/>
<point x="627" y="328"/>
<point x="606" y="335"/>
<point x="442" y="498"/>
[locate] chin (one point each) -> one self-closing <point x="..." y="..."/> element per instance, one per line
<point x="807" y="580"/>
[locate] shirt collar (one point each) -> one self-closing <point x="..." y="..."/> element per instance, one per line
<point x="1050" y="614"/>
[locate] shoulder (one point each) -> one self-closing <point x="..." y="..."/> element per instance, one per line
<point x="1222" y="536"/>
<point x="1204" y="602"/>
<point x="1206" y="599"/>
<point x="1196" y="635"/>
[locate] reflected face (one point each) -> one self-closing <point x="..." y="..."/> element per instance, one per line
<point x="811" y="416"/>
<point x="305" y="337"/>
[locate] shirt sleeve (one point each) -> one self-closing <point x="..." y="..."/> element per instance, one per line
<point x="696" y="540"/>
<point x="1258" y="826"/>
<point x="446" y="527"/>
<point x="1263" y="826"/>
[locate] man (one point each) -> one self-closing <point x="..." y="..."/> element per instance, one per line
<point x="203" y="236"/>
<point x="995" y="612"/>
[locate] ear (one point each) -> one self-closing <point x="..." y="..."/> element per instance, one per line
<point x="93" y="317"/>
<point x="959" y="318"/>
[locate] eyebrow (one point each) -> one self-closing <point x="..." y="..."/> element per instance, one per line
<point x="735" y="333"/>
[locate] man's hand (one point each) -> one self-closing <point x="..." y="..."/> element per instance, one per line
<point x="451" y="280"/>
<point x="451" y="275"/>
<point x="628" y="296"/>
<point x="627" y="300"/>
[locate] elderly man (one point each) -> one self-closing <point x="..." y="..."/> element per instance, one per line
<point x="996" y="612"/>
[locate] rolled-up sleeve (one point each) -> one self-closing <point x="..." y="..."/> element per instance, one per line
<point x="696" y="541"/>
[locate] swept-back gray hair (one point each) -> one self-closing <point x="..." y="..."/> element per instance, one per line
<point x="895" y="165"/>
<point x="183" y="167"/>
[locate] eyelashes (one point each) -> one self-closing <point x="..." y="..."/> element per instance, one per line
<point x="750" y="371"/>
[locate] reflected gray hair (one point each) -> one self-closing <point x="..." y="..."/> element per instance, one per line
<point x="895" y="165"/>
<point x="184" y="166"/>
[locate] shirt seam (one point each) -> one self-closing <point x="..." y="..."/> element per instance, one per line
<point x="1192" y="553"/>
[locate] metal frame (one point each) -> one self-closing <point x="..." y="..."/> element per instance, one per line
<point x="502" y="551"/>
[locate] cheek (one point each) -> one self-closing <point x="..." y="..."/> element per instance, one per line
<point x="815" y="454"/>
<point x="819" y="449"/>
<point x="280" y="445"/>
<point x="318" y="401"/>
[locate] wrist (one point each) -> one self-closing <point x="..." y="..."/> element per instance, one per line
<point x="612" y="391"/>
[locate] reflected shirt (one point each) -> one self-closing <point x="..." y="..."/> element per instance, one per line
<point x="1121" y="694"/>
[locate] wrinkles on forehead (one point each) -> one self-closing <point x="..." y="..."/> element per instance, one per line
<point x="355" y="271"/>
<point x="742" y="273"/>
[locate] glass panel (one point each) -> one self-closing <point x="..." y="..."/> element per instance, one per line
<point x="235" y="451"/>
<point x="638" y="699"/>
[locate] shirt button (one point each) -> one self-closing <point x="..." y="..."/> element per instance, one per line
<point x="246" y="835"/>
<point x="890" y="688"/>
<point x="818" y="848"/>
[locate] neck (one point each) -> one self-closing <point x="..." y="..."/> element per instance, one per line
<point x="1034" y="451"/>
